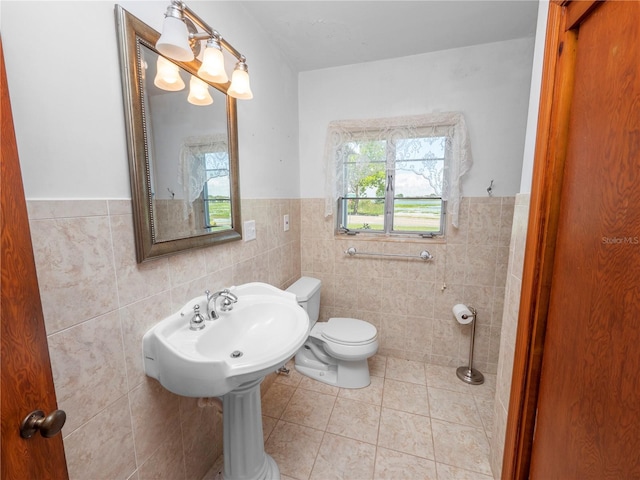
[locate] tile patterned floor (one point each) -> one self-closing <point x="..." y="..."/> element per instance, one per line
<point x="415" y="421"/>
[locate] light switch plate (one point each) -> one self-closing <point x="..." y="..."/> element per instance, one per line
<point x="286" y="223"/>
<point x="249" y="230"/>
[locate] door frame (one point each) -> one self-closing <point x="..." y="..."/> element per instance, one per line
<point x="546" y="188"/>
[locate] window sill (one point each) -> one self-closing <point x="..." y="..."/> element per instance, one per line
<point x="381" y="237"/>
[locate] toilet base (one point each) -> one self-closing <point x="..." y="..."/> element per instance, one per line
<point x="339" y="373"/>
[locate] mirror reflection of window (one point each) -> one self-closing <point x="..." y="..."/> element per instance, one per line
<point x="217" y="192"/>
<point x="206" y="182"/>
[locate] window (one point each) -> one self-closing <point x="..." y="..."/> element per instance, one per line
<point x="393" y="185"/>
<point x="217" y="190"/>
<point x="396" y="176"/>
<point x="205" y="178"/>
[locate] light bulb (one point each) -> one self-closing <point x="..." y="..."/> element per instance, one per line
<point x="212" y="67"/>
<point x="199" y="92"/>
<point x="168" y="75"/>
<point x="240" y="87"/>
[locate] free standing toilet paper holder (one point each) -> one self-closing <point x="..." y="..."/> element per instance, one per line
<point x="469" y="374"/>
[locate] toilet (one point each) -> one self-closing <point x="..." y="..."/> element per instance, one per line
<point x="336" y="351"/>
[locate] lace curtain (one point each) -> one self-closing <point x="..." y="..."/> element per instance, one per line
<point x="458" y="157"/>
<point x="201" y="158"/>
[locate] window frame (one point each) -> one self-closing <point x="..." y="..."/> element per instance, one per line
<point x="389" y="199"/>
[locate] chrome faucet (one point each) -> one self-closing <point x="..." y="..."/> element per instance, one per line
<point x="197" y="321"/>
<point x="227" y="303"/>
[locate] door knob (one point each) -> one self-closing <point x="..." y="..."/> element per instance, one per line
<point x="49" y="425"/>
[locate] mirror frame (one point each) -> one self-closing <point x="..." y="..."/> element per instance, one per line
<point x="132" y="33"/>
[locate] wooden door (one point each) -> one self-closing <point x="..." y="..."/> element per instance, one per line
<point x="27" y="383"/>
<point x="575" y="405"/>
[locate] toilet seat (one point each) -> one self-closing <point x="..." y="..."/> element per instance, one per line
<point x="347" y="338"/>
<point x="349" y="331"/>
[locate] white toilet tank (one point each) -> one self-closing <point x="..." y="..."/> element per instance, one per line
<point x="307" y="291"/>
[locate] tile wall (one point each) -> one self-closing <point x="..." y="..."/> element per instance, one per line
<point x="98" y="303"/>
<point x="405" y="298"/>
<point x="509" y="328"/>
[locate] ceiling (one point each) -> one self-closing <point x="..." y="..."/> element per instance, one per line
<point x="321" y="34"/>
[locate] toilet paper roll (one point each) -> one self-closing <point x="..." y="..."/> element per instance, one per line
<point x="462" y="313"/>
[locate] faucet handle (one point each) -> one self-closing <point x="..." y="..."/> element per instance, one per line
<point x="197" y="321"/>
<point x="208" y="294"/>
<point x="230" y="296"/>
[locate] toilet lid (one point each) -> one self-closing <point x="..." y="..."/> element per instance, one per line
<point x="349" y="331"/>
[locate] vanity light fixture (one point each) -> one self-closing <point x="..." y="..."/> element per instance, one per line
<point x="180" y="41"/>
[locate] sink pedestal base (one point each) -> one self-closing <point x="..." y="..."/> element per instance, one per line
<point x="243" y="444"/>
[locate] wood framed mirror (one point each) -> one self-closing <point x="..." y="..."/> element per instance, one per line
<point x="182" y="147"/>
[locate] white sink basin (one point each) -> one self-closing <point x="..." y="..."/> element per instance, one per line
<point x="266" y="325"/>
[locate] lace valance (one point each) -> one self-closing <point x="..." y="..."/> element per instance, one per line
<point x="458" y="158"/>
<point x="201" y="158"/>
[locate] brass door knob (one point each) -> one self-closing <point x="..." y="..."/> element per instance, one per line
<point x="49" y="425"/>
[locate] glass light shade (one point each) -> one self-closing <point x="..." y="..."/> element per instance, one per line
<point x="168" y="75"/>
<point x="212" y="67"/>
<point x="240" y="87"/>
<point x="174" y="41"/>
<point x="199" y="92"/>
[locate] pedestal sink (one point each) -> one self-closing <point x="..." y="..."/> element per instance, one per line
<point x="229" y="358"/>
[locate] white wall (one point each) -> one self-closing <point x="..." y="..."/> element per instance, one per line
<point x="534" y="98"/>
<point x="64" y="81"/>
<point x="489" y="83"/>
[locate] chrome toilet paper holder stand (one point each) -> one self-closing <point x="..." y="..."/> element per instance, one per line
<point x="468" y="374"/>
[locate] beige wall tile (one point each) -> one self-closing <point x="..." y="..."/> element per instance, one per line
<point x="155" y="415"/>
<point x="74" y="260"/>
<point x="475" y="256"/>
<point x="185" y="267"/>
<point x="49" y="209"/>
<point x="509" y="322"/>
<point x="135" y="281"/>
<point x="102" y="447"/>
<point x="88" y="368"/>
<point x="471" y="261"/>
<point x="136" y="319"/>
<point x="89" y="278"/>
